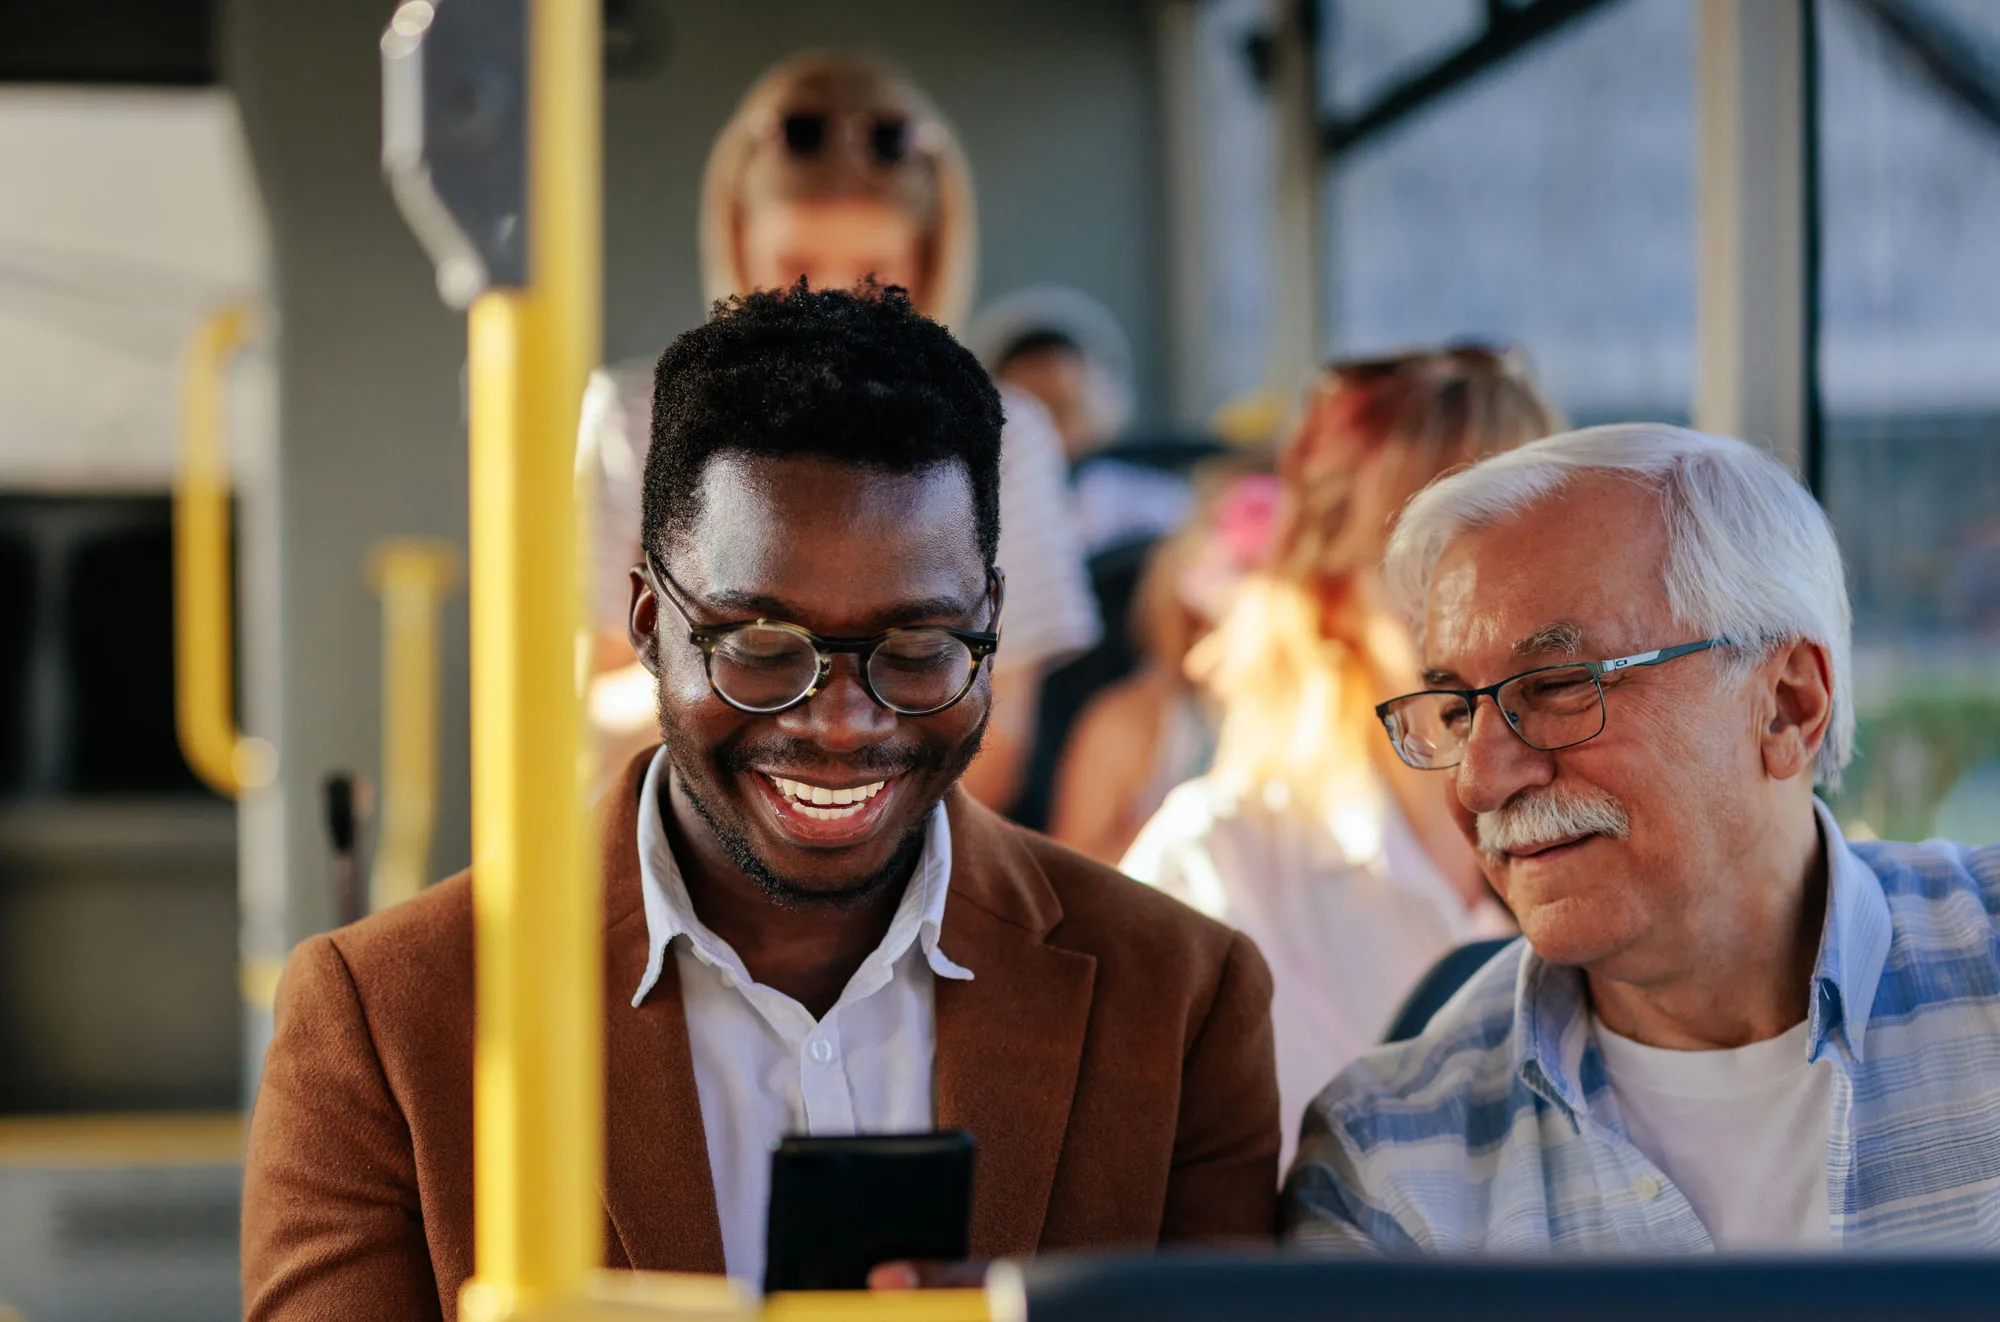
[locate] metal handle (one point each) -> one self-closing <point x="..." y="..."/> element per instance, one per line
<point x="412" y="576"/>
<point x="204" y="632"/>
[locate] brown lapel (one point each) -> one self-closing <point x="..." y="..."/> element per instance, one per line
<point x="1009" y="1042"/>
<point x="657" y="1189"/>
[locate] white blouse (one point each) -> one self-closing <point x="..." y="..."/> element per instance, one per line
<point x="1349" y="912"/>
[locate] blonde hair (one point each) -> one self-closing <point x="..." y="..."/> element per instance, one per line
<point x="1165" y="623"/>
<point x="1297" y="702"/>
<point x="933" y="185"/>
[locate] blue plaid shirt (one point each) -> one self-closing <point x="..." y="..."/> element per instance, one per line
<point x="1497" y="1129"/>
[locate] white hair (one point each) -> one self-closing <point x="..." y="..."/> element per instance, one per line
<point x="1750" y="555"/>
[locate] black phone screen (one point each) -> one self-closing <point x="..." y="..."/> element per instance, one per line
<point x="843" y="1206"/>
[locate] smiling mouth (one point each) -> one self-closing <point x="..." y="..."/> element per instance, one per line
<point x="823" y="803"/>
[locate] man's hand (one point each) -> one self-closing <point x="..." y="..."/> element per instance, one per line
<point x="907" y="1275"/>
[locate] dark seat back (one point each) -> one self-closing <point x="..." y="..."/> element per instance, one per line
<point x="1437" y="986"/>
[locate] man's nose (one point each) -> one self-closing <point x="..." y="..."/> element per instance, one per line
<point x="1498" y="764"/>
<point x="841" y="717"/>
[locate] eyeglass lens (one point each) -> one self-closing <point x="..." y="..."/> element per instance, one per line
<point x="889" y="140"/>
<point x="805" y="134"/>
<point x="1548" y="709"/>
<point x="763" y="668"/>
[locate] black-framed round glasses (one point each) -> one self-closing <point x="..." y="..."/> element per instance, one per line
<point x="764" y="667"/>
<point x="1548" y="708"/>
<point x="886" y="138"/>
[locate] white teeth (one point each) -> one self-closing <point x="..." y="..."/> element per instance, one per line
<point x="823" y="804"/>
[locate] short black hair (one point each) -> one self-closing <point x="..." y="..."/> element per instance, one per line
<point x="860" y="377"/>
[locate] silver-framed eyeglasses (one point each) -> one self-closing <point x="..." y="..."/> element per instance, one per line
<point x="763" y="667"/>
<point x="1547" y="708"/>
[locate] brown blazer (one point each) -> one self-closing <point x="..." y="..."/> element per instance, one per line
<point x="1112" y="1055"/>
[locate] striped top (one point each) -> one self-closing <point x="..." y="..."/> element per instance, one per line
<point x="1497" y="1130"/>
<point x="1051" y="613"/>
<point x="1051" y="610"/>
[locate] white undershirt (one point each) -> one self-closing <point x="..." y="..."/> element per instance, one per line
<point x="763" y="1067"/>
<point x="1742" y="1133"/>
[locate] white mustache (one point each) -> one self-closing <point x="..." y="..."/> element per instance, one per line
<point x="1546" y="816"/>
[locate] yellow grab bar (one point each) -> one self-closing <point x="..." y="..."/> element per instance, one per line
<point x="412" y="576"/>
<point x="538" y="1116"/>
<point x="204" y="632"/>
<point x="870" y="1306"/>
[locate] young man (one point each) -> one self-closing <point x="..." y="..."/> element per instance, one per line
<point x="808" y="929"/>
<point x="1727" y="1027"/>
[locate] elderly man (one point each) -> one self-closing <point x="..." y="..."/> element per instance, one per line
<point x="1727" y="1026"/>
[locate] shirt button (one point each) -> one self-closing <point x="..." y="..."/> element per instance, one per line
<point x="821" y="1050"/>
<point x="1648" y="1188"/>
<point x="728" y="980"/>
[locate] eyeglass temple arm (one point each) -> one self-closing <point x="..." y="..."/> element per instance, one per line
<point x="664" y="586"/>
<point x="1652" y="658"/>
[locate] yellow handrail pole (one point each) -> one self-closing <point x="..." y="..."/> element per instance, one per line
<point x="204" y="634"/>
<point x="973" y="1305"/>
<point x="412" y="576"/>
<point x="538" y="1071"/>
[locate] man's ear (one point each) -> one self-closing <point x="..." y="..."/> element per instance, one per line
<point x="1798" y="686"/>
<point x="642" y="622"/>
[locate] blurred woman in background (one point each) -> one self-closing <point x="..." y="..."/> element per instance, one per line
<point x="1139" y="738"/>
<point x="1308" y="834"/>
<point x="834" y="169"/>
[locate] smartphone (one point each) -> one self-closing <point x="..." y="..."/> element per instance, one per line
<point x="841" y="1207"/>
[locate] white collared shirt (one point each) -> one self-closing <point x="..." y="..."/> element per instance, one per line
<point x="763" y="1067"/>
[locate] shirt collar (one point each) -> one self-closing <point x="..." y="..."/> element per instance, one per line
<point x="1551" y="1030"/>
<point x="1553" y="1050"/>
<point x="669" y="913"/>
<point x="1853" y="947"/>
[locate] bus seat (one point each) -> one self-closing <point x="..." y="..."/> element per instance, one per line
<point x="1437" y="986"/>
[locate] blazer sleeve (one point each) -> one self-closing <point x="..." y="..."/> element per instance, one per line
<point x="331" y="1222"/>
<point x="1224" y="1183"/>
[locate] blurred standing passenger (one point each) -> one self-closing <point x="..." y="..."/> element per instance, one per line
<point x="1067" y="350"/>
<point x="835" y="168"/>
<point x="1139" y="738"/>
<point x="1309" y="834"/>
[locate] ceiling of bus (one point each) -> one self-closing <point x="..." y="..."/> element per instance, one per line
<point x="144" y="216"/>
